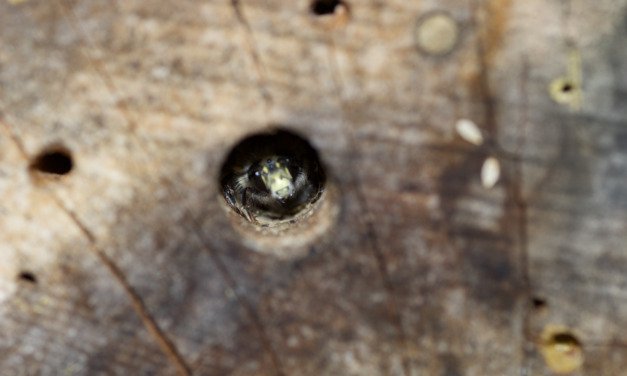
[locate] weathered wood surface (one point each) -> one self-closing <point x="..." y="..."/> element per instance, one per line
<point x="138" y="270"/>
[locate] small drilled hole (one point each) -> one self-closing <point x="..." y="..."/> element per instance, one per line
<point x="565" y="90"/>
<point x="55" y="161"/>
<point x="567" y="87"/>
<point x="325" y="7"/>
<point x="538" y="303"/>
<point x="27" y="277"/>
<point x="561" y="349"/>
<point x="565" y="339"/>
<point x="272" y="176"/>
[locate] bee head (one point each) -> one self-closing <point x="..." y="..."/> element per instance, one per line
<point x="276" y="176"/>
<point x="273" y="175"/>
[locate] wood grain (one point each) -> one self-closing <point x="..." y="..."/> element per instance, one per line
<point x="138" y="269"/>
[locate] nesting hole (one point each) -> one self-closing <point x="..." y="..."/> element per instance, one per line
<point x="564" y="90"/>
<point x="277" y="195"/>
<point x="538" y="302"/>
<point x="54" y="161"/>
<point x="272" y="176"/>
<point x="566" y="339"/>
<point x="326" y="7"/>
<point x="27" y="277"/>
<point x="561" y="349"/>
<point x="567" y="87"/>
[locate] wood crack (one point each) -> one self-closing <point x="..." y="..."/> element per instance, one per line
<point x="166" y="345"/>
<point x="223" y="270"/>
<point x="521" y="210"/>
<point x="149" y="322"/>
<point x="516" y="203"/>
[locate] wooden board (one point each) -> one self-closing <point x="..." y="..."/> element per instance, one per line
<point x="130" y="264"/>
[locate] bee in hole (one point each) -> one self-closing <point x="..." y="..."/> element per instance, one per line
<point x="271" y="175"/>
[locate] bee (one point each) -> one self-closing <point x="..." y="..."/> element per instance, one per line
<point x="272" y="175"/>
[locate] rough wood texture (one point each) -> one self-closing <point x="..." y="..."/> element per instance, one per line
<point x="139" y="271"/>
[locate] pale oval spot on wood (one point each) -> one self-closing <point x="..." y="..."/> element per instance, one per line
<point x="490" y="172"/>
<point x="437" y="34"/>
<point x="469" y="131"/>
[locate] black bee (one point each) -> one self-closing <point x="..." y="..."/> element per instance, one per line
<point x="273" y="175"/>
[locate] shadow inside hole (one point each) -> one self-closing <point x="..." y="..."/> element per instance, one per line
<point x="54" y="161"/>
<point x="325" y="7"/>
<point x="567" y="87"/>
<point x="538" y="303"/>
<point x="565" y="339"/>
<point x="28" y="277"/>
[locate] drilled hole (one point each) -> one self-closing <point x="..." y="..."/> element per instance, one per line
<point x="272" y="176"/>
<point x="565" y="339"/>
<point x="567" y="87"/>
<point x="561" y="349"/>
<point x="325" y="7"/>
<point x="565" y="90"/>
<point x="538" y="303"/>
<point x="28" y="277"/>
<point x="55" y="161"/>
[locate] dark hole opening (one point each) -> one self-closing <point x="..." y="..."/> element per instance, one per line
<point x="272" y="175"/>
<point x="324" y="7"/>
<point x="55" y="161"/>
<point x="565" y="338"/>
<point x="567" y="87"/>
<point x="538" y="302"/>
<point x="27" y="277"/>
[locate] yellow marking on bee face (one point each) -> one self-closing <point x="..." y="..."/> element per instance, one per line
<point x="278" y="180"/>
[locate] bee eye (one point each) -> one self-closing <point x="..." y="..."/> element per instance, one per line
<point x="281" y="187"/>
